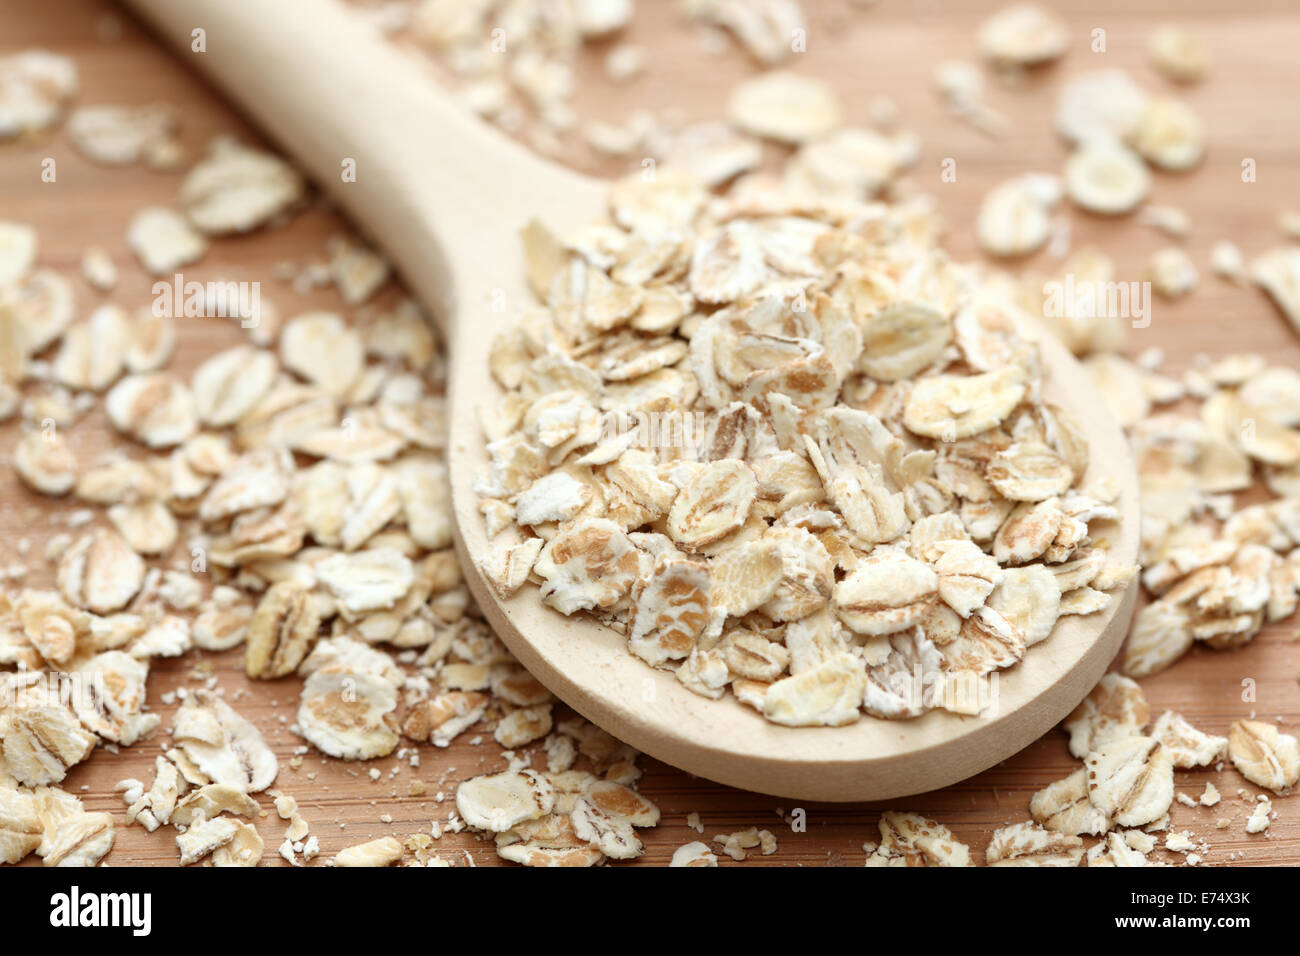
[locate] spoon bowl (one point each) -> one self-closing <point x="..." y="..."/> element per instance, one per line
<point x="446" y="197"/>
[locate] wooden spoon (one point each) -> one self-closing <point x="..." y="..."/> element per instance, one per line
<point x="446" y="197"/>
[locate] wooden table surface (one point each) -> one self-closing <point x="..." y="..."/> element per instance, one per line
<point x="1249" y="104"/>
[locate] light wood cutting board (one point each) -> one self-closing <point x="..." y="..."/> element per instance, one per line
<point x="1250" y="108"/>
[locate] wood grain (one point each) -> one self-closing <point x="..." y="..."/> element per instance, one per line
<point x="1250" y="109"/>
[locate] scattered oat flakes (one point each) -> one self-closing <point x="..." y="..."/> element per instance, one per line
<point x="1115" y="709"/>
<point x="693" y="854"/>
<point x="163" y="240"/>
<point x="346" y="713"/>
<point x="1171" y="272"/>
<point x="237" y="188"/>
<point x="45" y="462"/>
<point x="908" y="839"/>
<point x="1026" y="844"/>
<point x="1169" y="135"/>
<point x="1022" y="35"/>
<point x="1227" y="261"/>
<point x="1014" y="217"/>
<point x="1188" y="746"/>
<point x="784" y="106"/>
<point x="35" y="86"/>
<point x="1264" y="755"/>
<point x="1100" y="105"/>
<point x="1277" y="272"/>
<point x="1178" y="53"/>
<point x="1131" y="780"/>
<point x="382" y="852"/>
<point x="1105" y="177"/>
<point x="121" y="135"/>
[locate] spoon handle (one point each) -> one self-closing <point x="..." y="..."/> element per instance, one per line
<point x="435" y="187"/>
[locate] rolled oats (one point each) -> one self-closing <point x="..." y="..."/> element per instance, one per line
<point x="901" y="339"/>
<point x="347" y="713"/>
<point x="1025" y="844"/>
<point x="1105" y="177"/>
<point x="52" y="627"/>
<point x="1131" y="779"/>
<point x="21" y="830"/>
<point x="323" y="350"/>
<point x="507" y="565"/>
<point x="1178" y="53"/>
<point x="237" y="189"/>
<point x="93" y="352"/>
<point x="672" y="610"/>
<point x="119" y="135"/>
<point x="909" y="839"/>
<point x="784" y="106"/>
<point x="153" y="408"/>
<point x="693" y="854"/>
<point x="714" y="502"/>
<point x="45" y="462"/>
<point x="1028" y="598"/>
<point x="1084" y="601"/>
<point x="1189" y="747"/>
<point x="887" y="593"/>
<point x="368" y="580"/>
<point x="1115" y="850"/>
<point x="1014" y="217"/>
<point x="1098" y="105"/>
<point x="523" y="726"/>
<point x="382" y="852"/>
<point x="1064" y="807"/>
<point x="1116" y="708"/>
<point x="245" y="848"/>
<point x="147" y="526"/>
<point x="763" y="28"/>
<point x="35" y="86"/>
<point x="1160" y="635"/>
<point x="1022" y="35"/>
<point x="951" y="407"/>
<point x="590" y="564"/>
<point x="1264" y="755"/>
<point x="606" y="815"/>
<point x="1169" y="135"/>
<point x="77" y="838"/>
<point x="229" y="385"/>
<point x="113" y="707"/>
<point x="827" y="695"/>
<point x="281" y="631"/>
<point x="163" y="240"/>
<point x="222" y="745"/>
<point x="41" y="742"/>
<point x="18" y="243"/>
<point x="499" y="802"/>
<point x="852" y="425"/>
<point x="1277" y="272"/>
<point x="100" y="572"/>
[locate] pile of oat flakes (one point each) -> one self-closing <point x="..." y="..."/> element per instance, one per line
<point x="837" y="525"/>
<point x="874" y="485"/>
<point x="305" y="467"/>
<point x="291" y="497"/>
